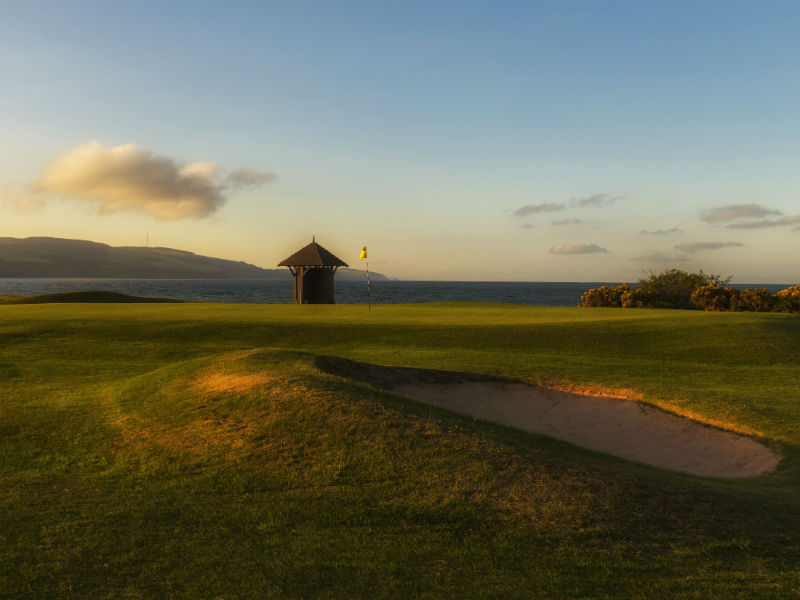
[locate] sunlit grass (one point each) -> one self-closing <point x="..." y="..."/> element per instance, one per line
<point x="196" y="451"/>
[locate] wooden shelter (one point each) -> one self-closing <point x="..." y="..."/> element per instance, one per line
<point x="313" y="267"/>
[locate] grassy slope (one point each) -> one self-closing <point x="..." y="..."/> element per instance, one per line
<point x="196" y="451"/>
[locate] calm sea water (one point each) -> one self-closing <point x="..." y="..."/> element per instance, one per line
<point x="347" y="292"/>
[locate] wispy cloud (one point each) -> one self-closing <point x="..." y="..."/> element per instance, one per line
<point x="661" y="257"/>
<point x="245" y="177"/>
<point x="567" y="222"/>
<point x="595" y="200"/>
<point x="670" y="231"/>
<point x="530" y="209"/>
<point x="577" y="249"/>
<point x="528" y="226"/>
<point x="783" y="221"/>
<point x="724" y="214"/>
<point x="126" y="178"/>
<point x="699" y="246"/>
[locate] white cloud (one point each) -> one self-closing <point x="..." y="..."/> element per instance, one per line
<point x="125" y="178"/>
<point x="661" y="257"/>
<point x="670" y="231"/>
<point x="723" y="214"/>
<point x="250" y="177"/>
<point x="530" y="209"/>
<point x="789" y="220"/>
<point x="595" y="200"/>
<point x="22" y="198"/>
<point x="576" y="249"/>
<point x="698" y="246"/>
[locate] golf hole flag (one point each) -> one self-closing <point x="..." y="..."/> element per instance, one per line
<point x="363" y="256"/>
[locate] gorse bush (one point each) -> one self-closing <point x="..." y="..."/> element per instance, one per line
<point x="788" y="300"/>
<point x="674" y="288"/>
<point x="754" y="300"/>
<point x="607" y="296"/>
<point x="713" y="297"/>
<point x="671" y="288"/>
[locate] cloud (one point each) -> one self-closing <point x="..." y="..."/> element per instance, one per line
<point x="595" y="200"/>
<point x="576" y="249"/>
<point x="245" y="177"/>
<point x="669" y="231"/>
<point x="528" y="226"/>
<point x="661" y="257"/>
<point x="125" y="178"/>
<point x="530" y="209"/>
<point x="789" y="220"/>
<point x="22" y="198"/>
<point x="698" y="246"/>
<point x="723" y="214"/>
<point x="567" y="222"/>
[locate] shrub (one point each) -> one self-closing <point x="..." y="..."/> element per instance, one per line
<point x="672" y="288"/>
<point x="788" y="300"/>
<point x="755" y="300"/>
<point x="715" y="297"/>
<point x="606" y="296"/>
<point x="632" y="298"/>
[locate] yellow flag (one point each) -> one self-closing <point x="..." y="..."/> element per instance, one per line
<point x="363" y="253"/>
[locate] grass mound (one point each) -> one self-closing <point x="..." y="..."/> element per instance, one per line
<point x="80" y="296"/>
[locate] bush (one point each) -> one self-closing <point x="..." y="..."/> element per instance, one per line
<point x="788" y="300"/>
<point x="755" y="300"/>
<point x="606" y="296"/>
<point x="672" y="288"/>
<point x="632" y="298"/>
<point x="715" y="297"/>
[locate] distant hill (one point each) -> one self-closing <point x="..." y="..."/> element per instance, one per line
<point x="56" y="257"/>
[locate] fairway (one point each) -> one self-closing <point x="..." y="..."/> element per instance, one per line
<point x="209" y="451"/>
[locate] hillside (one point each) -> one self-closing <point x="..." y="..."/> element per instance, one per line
<point x="56" y="257"/>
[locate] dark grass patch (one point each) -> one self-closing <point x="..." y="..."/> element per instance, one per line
<point x="81" y="296"/>
<point x="386" y="377"/>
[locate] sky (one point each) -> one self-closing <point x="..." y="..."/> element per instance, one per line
<point x="511" y="141"/>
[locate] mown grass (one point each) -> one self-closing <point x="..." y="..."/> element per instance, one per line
<point x="196" y="451"/>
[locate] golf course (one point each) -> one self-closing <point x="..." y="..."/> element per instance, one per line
<point x="191" y="450"/>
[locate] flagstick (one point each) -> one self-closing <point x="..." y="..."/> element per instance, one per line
<point x="369" y="291"/>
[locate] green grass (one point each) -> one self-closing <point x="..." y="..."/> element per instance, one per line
<point x="196" y="451"/>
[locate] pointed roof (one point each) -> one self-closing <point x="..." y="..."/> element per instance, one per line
<point x="312" y="255"/>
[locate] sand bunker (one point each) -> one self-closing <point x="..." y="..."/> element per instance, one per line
<point x="617" y="426"/>
<point x="624" y="428"/>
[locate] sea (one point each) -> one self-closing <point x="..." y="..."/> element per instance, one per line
<point x="259" y="291"/>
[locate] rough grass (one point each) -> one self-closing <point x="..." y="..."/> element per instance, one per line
<point x="197" y="451"/>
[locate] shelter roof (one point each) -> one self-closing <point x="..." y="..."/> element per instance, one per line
<point x="312" y="255"/>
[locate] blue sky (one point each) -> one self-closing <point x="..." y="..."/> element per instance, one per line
<point x="458" y="140"/>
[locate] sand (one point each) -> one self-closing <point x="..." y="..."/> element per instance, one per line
<point x="624" y="428"/>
